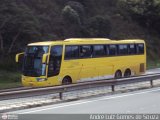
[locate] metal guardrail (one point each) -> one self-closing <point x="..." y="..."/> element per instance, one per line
<point x="15" y="89"/>
<point x="72" y="87"/>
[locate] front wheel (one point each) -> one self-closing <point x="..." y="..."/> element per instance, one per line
<point x="66" y="81"/>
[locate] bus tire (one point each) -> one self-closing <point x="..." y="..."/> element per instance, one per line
<point x="66" y="80"/>
<point x="127" y="73"/>
<point x="118" y="74"/>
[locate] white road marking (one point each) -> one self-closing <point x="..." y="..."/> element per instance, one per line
<point x="95" y="100"/>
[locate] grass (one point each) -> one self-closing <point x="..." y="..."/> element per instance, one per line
<point x="9" y="79"/>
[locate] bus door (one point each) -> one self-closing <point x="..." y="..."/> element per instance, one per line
<point x="55" y="59"/>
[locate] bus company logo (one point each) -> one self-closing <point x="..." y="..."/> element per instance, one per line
<point x="4" y="116"/>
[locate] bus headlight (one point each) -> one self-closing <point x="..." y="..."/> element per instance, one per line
<point x="41" y="79"/>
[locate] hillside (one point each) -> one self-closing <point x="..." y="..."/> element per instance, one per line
<point x="25" y="21"/>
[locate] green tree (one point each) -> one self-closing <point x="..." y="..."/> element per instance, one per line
<point x="99" y="26"/>
<point x="79" y="8"/>
<point x="16" y="22"/>
<point x="70" y="15"/>
<point x="145" y="12"/>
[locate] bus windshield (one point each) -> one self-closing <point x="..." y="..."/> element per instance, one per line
<point x="32" y="65"/>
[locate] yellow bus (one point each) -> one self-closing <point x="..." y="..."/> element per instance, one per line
<point x="81" y="59"/>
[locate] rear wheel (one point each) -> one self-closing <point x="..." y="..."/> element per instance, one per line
<point x="127" y="73"/>
<point x="66" y="80"/>
<point x="118" y="74"/>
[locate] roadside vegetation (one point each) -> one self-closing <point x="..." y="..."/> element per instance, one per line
<point x="153" y="64"/>
<point x="10" y="76"/>
<point x="9" y="79"/>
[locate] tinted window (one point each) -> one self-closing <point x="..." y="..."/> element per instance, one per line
<point x="56" y="51"/>
<point x="71" y="52"/>
<point x="123" y="49"/>
<point x="112" y="50"/>
<point x="107" y="49"/>
<point x="99" y="50"/>
<point x="132" y="49"/>
<point x="35" y="49"/>
<point x="85" y="51"/>
<point x="32" y="65"/>
<point x="55" y="60"/>
<point x="140" y="48"/>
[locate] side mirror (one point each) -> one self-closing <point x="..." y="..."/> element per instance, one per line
<point x="19" y="57"/>
<point x="45" y="58"/>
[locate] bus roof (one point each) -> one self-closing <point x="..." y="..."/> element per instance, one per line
<point x="45" y="43"/>
<point x="86" y="41"/>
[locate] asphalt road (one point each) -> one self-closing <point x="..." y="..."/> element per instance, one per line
<point x="143" y="101"/>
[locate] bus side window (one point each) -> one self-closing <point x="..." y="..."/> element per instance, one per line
<point x="71" y="52"/>
<point x="55" y="60"/>
<point x="99" y="50"/>
<point x="123" y="49"/>
<point x="112" y="50"/>
<point x="86" y="51"/>
<point x="132" y="49"/>
<point x="140" y="48"/>
<point x="107" y="50"/>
